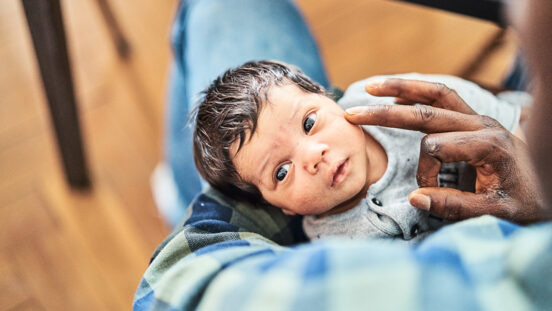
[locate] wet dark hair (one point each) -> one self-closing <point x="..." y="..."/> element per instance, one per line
<point x="228" y="112"/>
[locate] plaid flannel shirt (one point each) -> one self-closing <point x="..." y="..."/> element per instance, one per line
<point x="230" y="256"/>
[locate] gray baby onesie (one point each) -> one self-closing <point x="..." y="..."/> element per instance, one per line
<point x="386" y="212"/>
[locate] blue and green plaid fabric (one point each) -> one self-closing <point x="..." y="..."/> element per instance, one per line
<point x="230" y="256"/>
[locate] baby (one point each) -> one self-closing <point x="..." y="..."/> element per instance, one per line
<point x="266" y="133"/>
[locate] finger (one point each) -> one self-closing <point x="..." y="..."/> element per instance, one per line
<point x="453" y="204"/>
<point x="428" y="93"/>
<point x="420" y="118"/>
<point x="428" y="168"/>
<point x="436" y="149"/>
<point x="486" y="150"/>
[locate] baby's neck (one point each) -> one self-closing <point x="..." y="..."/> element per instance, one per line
<point x="347" y="205"/>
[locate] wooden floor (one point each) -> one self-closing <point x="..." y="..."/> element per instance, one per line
<point x="70" y="250"/>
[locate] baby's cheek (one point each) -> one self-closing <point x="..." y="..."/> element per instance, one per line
<point x="359" y="130"/>
<point x="273" y="199"/>
<point x="307" y="200"/>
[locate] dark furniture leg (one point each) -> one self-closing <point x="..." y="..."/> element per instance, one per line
<point x="46" y="27"/>
<point x="121" y="43"/>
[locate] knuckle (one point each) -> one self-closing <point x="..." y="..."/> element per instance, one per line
<point x="442" y="90"/>
<point x="500" y="138"/>
<point x="430" y="146"/>
<point x="488" y="122"/>
<point x="504" y="135"/>
<point x="424" y="113"/>
<point x="383" y="114"/>
<point x="452" y="209"/>
<point x="452" y="92"/>
<point x="386" y="108"/>
<point x="423" y="180"/>
<point x="494" y="140"/>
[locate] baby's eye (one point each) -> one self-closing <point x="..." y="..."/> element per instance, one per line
<point x="309" y="122"/>
<point x="282" y="172"/>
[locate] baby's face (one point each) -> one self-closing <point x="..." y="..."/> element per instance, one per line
<point x="304" y="156"/>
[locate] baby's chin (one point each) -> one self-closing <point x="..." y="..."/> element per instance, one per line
<point x="325" y="210"/>
<point x="347" y="204"/>
<point x="330" y="205"/>
<point x="307" y="211"/>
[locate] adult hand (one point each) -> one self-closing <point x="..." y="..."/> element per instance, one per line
<point x="506" y="182"/>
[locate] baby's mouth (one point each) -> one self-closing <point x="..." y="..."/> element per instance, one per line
<point x="340" y="172"/>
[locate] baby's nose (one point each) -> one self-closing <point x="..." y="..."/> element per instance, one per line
<point x="313" y="156"/>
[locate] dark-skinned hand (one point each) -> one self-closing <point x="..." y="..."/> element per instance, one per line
<point x="506" y="184"/>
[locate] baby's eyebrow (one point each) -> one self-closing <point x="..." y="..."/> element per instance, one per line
<point x="298" y="108"/>
<point x="264" y="164"/>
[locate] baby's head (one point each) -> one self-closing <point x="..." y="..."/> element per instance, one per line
<point x="266" y="133"/>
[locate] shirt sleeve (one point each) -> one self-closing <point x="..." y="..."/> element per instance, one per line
<point x="212" y="263"/>
<point x="481" y="100"/>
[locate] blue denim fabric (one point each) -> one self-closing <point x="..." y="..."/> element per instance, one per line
<point x="518" y="78"/>
<point x="210" y="36"/>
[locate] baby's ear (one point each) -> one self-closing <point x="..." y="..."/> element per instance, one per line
<point x="288" y="212"/>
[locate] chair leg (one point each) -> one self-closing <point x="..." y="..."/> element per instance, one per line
<point x="45" y="23"/>
<point x="121" y="43"/>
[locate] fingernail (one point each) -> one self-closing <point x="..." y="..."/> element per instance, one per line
<point x="354" y="110"/>
<point x="420" y="201"/>
<point x="374" y="84"/>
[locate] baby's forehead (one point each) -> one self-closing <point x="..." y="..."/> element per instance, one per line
<point x="270" y="135"/>
<point x="280" y="98"/>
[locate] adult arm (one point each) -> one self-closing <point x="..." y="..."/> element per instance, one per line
<point x="225" y="257"/>
<point x="506" y="182"/>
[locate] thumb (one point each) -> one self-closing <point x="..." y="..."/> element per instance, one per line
<point x="448" y="203"/>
